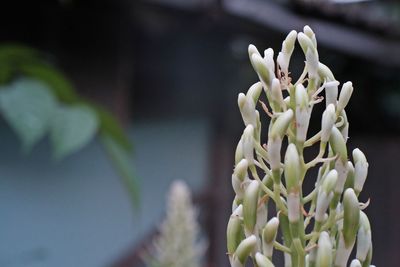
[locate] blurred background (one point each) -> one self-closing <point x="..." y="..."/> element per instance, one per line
<point x="169" y="72"/>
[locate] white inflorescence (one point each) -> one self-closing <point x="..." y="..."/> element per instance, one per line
<point x="319" y="228"/>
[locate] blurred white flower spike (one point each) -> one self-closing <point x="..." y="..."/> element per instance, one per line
<point x="315" y="229"/>
<point x="178" y="243"/>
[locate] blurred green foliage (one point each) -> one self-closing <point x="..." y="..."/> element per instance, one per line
<point x="38" y="100"/>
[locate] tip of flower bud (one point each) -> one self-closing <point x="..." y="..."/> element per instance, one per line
<point x="330" y="181"/>
<point x="292" y="168"/>
<point x="263" y="261"/>
<point x="355" y="263"/>
<point x="324" y="251"/>
<point x="344" y="97"/>
<point x="261" y="67"/>
<point x="351" y="216"/>
<point x="245" y="248"/>
<point x="305" y="42"/>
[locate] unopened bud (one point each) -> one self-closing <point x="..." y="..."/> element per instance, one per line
<point x="248" y="144"/>
<point x="276" y="95"/>
<point x="324" y="252"/>
<point x="310" y="33"/>
<point x="254" y="92"/>
<point x="281" y="124"/>
<point x="239" y="151"/>
<point x="312" y="61"/>
<point x="269" y="59"/>
<point x="269" y="235"/>
<point x="351" y="216"/>
<point x="325" y="195"/>
<point x="247" y="109"/>
<point x="338" y="144"/>
<point x="263" y="261"/>
<point x="245" y="248"/>
<point x="234" y="231"/>
<point x="331" y="92"/>
<point x="283" y="58"/>
<point x="355" y="263"/>
<point x="364" y="240"/>
<point x="250" y="204"/>
<point x="325" y="73"/>
<point x="292" y="168"/>
<point x="344" y="97"/>
<point x="261" y="67"/>
<point x="253" y="50"/>
<point x="303" y="113"/>
<point x="328" y="120"/>
<point x="305" y="42"/>
<point x="360" y="169"/>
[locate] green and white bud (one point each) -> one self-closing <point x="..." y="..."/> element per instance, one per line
<point x="269" y="235"/>
<point x="303" y="113"/>
<point x="351" y="216"/>
<point x="276" y="95"/>
<point x="325" y="195"/>
<point x="234" y="232"/>
<point x="239" y="151"/>
<point x="262" y="69"/>
<point x="248" y="144"/>
<point x="263" y="261"/>
<point x="238" y="176"/>
<point x="245" y="248"/>
<point x="254" y="92"/>
<point x="328" y="120"/>
<point x="292" y="168"/>
<point x="310" y="33"/>
<point x="325" y="73"/>
<point x="269" y="59"/>
<point x="364" y="239"/>
<point x="250" y="205"/>
<point x="342" y="171"/>
<point x="355" y="263"/>
<point x="350" y="176"/>
<point x="360" y="171"/>
<point x="312" y="61"/>
<point x="331" y="92"/>
<point x="305" y="42"/>
<point x="252" y="49"/>
<point x="338" y="144"/>
<point x="283" y="58"/>
<point x="278" y="130"/>
<point x="324" y="251"/>
<point x="247" y="109"/>
<point x="344" y="97"/>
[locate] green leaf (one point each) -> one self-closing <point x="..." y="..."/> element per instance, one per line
<point x="60" y="86"/>
<point x="72" y="128"/>
<point x="27" y="105"/>
<point x="122" y="161"/>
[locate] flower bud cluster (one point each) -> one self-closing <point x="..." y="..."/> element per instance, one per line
<point x="318" y="228"/>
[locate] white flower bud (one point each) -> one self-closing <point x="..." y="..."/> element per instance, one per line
<point x="341" y="168"/>
<point x="262" y="69"/>
<point x="247" y="109"/>
<point x="234" y="231"/>
<point x="239" y="151"/>
<point x="310" y="33"/>
<point x="312" y="62"/>
<point x="325" y="73"/>
<point x="269" y="59"/>
<point x="276" y="95"/>
<point x="355" y="263"/>
<point x="338" y="144"/>
<point x="250" y="205"/>
<point x="263" y="261"/>
<point x="364" y="240"/>
<point x="248" y="144"/>
<point x="360" y="169"/>
<point x="245" y="248"/>
<point x="303" y="113"/>
<point x="331" y="92"/>
<point x="283" y="58"/>
<point x="324" y="251"/>
<point x="305" y="42"/>
<point x="351" y="216"/>
<point x="269" y="235"/>
<point x="344" y="97"/>
<point x="325" y="195"/>
<point x="293" y="205"/>
<point x="292" y="169"/>
<point x="254" y="92"/>
<point x="281" y="124"/>
<point x="328" y="120"/>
